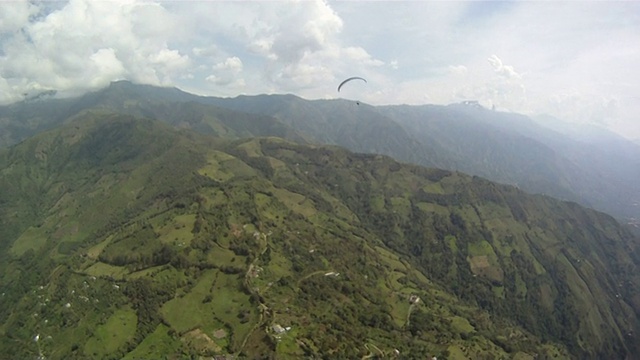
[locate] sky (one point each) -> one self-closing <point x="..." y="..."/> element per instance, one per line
<point x="578" y="61"/>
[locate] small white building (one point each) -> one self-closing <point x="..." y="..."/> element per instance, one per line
<point x="278" y="329"/>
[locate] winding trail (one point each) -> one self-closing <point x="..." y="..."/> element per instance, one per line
<point x="266" y="314"/>
<point x="264" y="309"/>
<point x="371" y="353"/>
<point x="319" y="272"/>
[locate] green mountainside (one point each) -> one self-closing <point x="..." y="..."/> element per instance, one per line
<point x="598" y="170"/>
<point x="123" y="237"/>
<point x="179" y="109"/>
<point x="503" y="147"/>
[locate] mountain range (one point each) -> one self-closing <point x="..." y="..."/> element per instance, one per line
<point x="593" y="167"/>
<point x="141" y="222"/>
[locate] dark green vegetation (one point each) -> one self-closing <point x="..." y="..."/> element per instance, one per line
<point x="126" y="238"/>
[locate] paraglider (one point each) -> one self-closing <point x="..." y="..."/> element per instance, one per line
<point x="349" y="79"/>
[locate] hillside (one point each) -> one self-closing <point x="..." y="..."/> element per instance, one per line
<point x="360" y="128"/>
<point x="127" y="238"/>
<point x="179" y="109"/>
<point x="595" y="169"/>
<point x="502" y="147"/>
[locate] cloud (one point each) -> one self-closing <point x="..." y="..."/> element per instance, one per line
<point x="458" y="69"/>
<point x="360" y="56"/>
<point x="507" y="91"/>
<point x="227" y="73"/>
<point x="232" y="64"/>
<point x="105" y="66"/>
<point x="86" y="44"/>
<point x="505" y="71"/>
<point x="298" y="43"/>
<point x="208" y="51"/>
<point x="303" y="29"/>
<point x="14" y="14"/>
<point x="168" y="63"/>
<point x="293" y="46"/>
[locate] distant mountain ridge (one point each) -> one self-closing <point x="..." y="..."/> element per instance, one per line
<point x="123" y="237"/>
<point x="514" y="149"/>
<point x="597" y="171"/>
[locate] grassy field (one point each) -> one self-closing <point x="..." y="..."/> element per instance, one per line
<point x="33" y="238"/>
<point x="178" y="231"/>
<point x="210" y="305"/>
<point x="159" y="344"/>
<point x="102" y="269"/>
<point x="107" y="338"/>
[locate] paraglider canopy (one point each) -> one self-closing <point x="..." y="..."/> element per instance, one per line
<point x="350" y="79"/>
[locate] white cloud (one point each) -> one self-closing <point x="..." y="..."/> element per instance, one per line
<point x="14" y="14"/>
<point x="226" y="81"/>
<point x="303" y="28"/>
<point x="299" y="44"/>
<point x="286" y="47"/>
<point x="361" y="56"/>
<point x="168" y="62"/>
<point x="227" y="72"/>
<point x="86" y="44"/>
<point x="210" y="50"/>
<point x="458" y="69"/>
<point x="505" y="71"/>
<point x="302" y="75"/>
<point x="106" y="67"/>
<point x="232" y="64"/>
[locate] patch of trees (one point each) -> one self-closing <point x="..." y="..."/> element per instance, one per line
<point x="455" y="199"/>
<point x="146" y="298"/>
<point x="155" y="256"/>
<point x="431" y="174"/>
